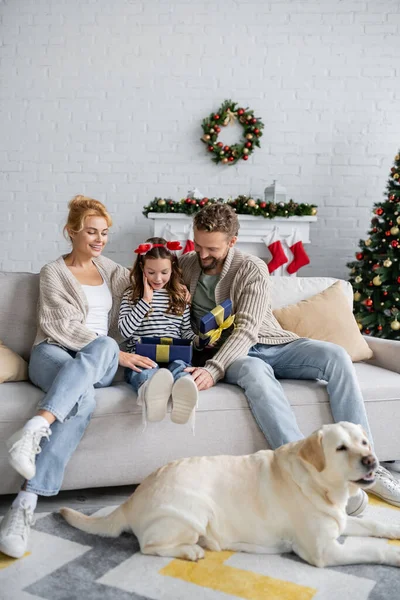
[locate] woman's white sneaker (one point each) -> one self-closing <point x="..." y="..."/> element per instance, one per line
<point x="156" y="394"/>
<point x="386" y="486"/>
<point x="23" y="447"/>
<point x="14" y="530"/>
<point x="184" y="398"/>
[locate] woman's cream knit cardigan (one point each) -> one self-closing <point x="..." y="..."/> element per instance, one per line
<point x="62" y="306"/>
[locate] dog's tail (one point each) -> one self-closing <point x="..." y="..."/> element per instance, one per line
<point x="111" y="525"/>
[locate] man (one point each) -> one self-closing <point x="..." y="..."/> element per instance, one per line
<point x="259" y="352"/>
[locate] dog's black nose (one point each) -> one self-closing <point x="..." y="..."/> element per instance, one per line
<point x="369" y="461"/>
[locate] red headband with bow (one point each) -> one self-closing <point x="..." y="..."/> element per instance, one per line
<point x="144" y="248"/>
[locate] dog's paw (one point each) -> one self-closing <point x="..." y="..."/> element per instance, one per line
<point x="393" y="532"/>
<point x="193" y="553"/>
<point x="392" y="556"/>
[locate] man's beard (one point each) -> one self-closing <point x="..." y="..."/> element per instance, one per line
<point x="210" y="266"/>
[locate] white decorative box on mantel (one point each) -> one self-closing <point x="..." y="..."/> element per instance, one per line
<point x="251" y="233"/>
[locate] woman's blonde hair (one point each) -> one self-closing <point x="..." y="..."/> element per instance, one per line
<point x="81" y="207"/>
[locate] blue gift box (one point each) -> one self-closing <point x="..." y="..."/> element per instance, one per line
<point x="165" y="349"/>
<point x="215" y="322"/>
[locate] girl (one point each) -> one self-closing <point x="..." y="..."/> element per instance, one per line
<point x="75" y="351"/>
<point x="155" y="304"/>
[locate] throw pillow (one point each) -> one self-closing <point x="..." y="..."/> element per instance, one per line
<point x="12" y="366"/>
<point x="326" y="316"/>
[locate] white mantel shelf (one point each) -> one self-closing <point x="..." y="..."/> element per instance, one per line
<point x="251" y="233"/>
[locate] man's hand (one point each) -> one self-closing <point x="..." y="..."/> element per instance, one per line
<point x="133" y="361"/>
<point x="202" y="377"/>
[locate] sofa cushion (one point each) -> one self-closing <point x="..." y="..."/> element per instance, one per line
<point x="18" y="401"/>
<point x="19" y="294"/>
<point x="12" y="366"/>
<point x="326" y="316"/>
<point x="290" y="290"/>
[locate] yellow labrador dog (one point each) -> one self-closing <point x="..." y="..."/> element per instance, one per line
<point x="293" y="499"/>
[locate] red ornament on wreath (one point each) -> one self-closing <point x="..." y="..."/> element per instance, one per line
<point x="359" y="256"/>
<point x="228" y="114"/>
<point x="379" y="211"/>
<point x="394" y="243"/>
<point x="368" y="302"/>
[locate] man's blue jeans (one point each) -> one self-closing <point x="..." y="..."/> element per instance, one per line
<point x="259" y="372"/>
<point x="135" y="379"/>
<point x="69" y="380"/>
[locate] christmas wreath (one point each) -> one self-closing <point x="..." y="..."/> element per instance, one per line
<point x="243" y="205"/>
<point x="227" y="114"/>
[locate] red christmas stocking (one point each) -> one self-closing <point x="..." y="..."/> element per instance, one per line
<point x="300" y="256"/>
<point x="189" y="246"/>
<point x="274" y="245"/>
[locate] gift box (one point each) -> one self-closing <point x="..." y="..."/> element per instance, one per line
<point x="215" y="322"/>
<point x="165" y="349"/>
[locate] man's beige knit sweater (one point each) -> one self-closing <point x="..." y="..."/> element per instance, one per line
<point x="244" y="280"/>
<point x="62" y="307"/>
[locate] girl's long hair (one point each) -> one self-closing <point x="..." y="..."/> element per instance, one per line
<point x="175" y="288"/>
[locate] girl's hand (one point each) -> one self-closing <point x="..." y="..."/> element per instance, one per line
<point x="134" y="361"/>
<point x="148" y="290"/>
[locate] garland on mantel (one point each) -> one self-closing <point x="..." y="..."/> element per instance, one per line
<point x="243" y="205"/>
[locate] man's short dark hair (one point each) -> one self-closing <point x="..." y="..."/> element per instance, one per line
<point x="217" y="217"/>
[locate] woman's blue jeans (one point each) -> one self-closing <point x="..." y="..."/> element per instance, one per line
<point x="69" y="379"/>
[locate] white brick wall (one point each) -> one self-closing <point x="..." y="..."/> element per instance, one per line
<point x="106" y="99"/>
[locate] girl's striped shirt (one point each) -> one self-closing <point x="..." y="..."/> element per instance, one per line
<point x="152" y="320"/>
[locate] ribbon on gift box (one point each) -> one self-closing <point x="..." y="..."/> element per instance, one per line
<point x="213" y="335"/>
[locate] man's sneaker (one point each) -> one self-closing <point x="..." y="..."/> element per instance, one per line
<point x="22" y="449"/>
<point x="386" y="486"/>
<point x="14" y="530"/>
<point x="392" y="465"/>
<point x="357" y="504"/>
<point x="184" y="399"/>
<point x="157" y="393"/>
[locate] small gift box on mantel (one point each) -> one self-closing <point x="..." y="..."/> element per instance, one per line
<point x="165" y="349"/>
<point x="215" y="322"/>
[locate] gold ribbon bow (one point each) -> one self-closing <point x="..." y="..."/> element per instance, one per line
<point x="213" y="335"/>
<point x="230" y="117"/>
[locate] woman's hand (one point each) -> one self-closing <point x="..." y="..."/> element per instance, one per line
<point x="147" y="291"/>
<point x="134" y="361"/>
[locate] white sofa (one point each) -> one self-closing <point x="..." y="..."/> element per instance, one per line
<point x="115" y="451"/>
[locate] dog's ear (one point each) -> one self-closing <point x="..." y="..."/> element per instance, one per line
<point x="311" y="451"/>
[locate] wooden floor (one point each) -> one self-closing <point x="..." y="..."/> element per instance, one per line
<point x="76" y="499"/>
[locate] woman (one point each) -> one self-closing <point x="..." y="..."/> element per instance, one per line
<point x="75" y="350"/>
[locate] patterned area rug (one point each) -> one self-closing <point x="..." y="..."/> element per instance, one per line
<point x="66" y="564"/>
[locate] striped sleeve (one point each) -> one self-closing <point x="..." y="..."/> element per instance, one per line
<point x="131" y="315"/>
<point x="252" y="301"/>
<point x="186" y="327"/>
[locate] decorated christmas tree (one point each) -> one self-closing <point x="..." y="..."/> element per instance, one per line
<point x="375" y="275"/>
